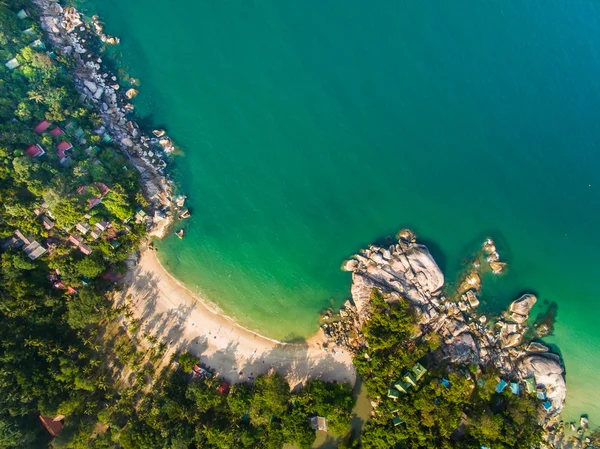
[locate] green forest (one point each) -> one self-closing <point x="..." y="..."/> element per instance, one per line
<point x="72" y="376"/>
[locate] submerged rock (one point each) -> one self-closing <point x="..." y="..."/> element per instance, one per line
<point x="131" y="93"/>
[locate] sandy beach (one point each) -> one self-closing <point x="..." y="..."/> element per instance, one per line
<point x="185" y="322"/>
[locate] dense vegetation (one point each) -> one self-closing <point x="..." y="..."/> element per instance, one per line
<point x="261" y="414"/>
<point x="50" y="362"/>
<point x="63" y="353"/>
<point x="61" y="349"/>
<point x="467" y="413"/>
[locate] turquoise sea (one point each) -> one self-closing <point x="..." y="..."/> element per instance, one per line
<point x="310" y="129"/>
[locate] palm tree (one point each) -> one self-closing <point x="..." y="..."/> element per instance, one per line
<point x="35" y="96"/>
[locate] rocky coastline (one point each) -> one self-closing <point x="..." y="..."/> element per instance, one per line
<point x="75" y="38"/>
<point x="407" y="270"/>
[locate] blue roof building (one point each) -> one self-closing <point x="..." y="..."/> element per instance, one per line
<point x="515" y="388"/>
<point x="501" y="386"/>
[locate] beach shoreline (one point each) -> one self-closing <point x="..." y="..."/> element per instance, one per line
<point x="184" y="321"/>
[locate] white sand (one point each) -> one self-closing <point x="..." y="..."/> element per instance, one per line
<point x="171" y="312"/>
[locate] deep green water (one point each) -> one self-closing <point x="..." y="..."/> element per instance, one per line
<point x="311" y="129"/>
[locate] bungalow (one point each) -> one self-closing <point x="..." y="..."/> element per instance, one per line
<point x="397" y="421"/>
<point x="71" y="291"/>
<point x="419" y="371"/>
<point x="34" y="250"/>
<point x="501" y="386"/>
<point x="53" y="426"/>
<point x="401" y="386"/>
<point x="22" y="14"/>
<point x="47" y="223"/>
<point x="41" y="126"/>
<point x="515" y="388"/>
<point x="223" y="388"/>
<point x="95" y="233"/>
<point x="393" y="394"/>
<point x="102" y="225"/>
<point x="57" y="132"/>
<point x="12" y="64"/>
<point x="82" y="227"/>
<point x="75" y="239"/>
<point x="318" y="423"/>
<point x="409" y="379"/>
<point x="445" y="382"/>
<point x="61" y="148"/>
<point x="85" y="249"/>
<point x="34" y="151"/>
<point x="530" y="385"/>
<point x="547" y="405"/>
<point x="102" y="188"/>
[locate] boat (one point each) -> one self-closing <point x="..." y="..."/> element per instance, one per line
<point x="179" y="233"/>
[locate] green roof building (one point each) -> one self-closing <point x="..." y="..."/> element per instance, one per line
<point x="530" y="385"/>
<point x="397" y="421"/>
<point x="419" y="371"/>
<point x="401" y="386"/>
<point x="409" y="379"/>
<point x="393" y="393"/>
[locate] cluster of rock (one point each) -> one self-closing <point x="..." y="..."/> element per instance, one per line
<point x="70" y="35"/>
<point x="408" y="270"/>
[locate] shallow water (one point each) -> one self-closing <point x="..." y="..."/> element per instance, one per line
<point x="310" y="129"/>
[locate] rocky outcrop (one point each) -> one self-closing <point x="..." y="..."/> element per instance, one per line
<point x="404" y="270"/>
<point x="70" y="35"/>
<point x="407" y="270"/>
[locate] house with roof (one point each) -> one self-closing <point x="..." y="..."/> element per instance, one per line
<point x="223" y="388"/>
<point x="53" y="426"/>
<point x="393" y="393"/>
<point x="35" y="150"/>
<point x="34" y="250"/>
<point x="418" y="371"/>
<point x="75" y="239"/>
<point x="96" y="233"/>
<point x="318" y="423"/>
<point x="401" y="386"/>
<point x="41" y="126"/>
<point x="83" y="228"/>
<point x="22" y="14"/>
<point x="408" y="378"/>
<point x="47" y="223"/>
<point x="12" y="64"/>
<point x="62" y="148"/>
<point x="85" y="249"/>
<point x="57" y="132"/>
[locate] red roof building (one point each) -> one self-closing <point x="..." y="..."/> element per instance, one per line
<point x="41" y="126"/>
<point x="34" y="150"/>
<point x="56" y="132"/>
<point x="102" y="187"/>
<point x="71" y="291"/>
<point x="75" y="239"/>
<point x="85" y="249"/>
<point x="223" y="388"/>
<point x="61" y="148"/>
<point x="53" y="426"/>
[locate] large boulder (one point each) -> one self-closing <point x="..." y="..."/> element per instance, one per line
<point x="548" y="371"/>
<point x="523" y="305"/>
<point x="463" y="350"/>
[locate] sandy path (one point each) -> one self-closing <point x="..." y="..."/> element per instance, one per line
<point x="171" y="312"/>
